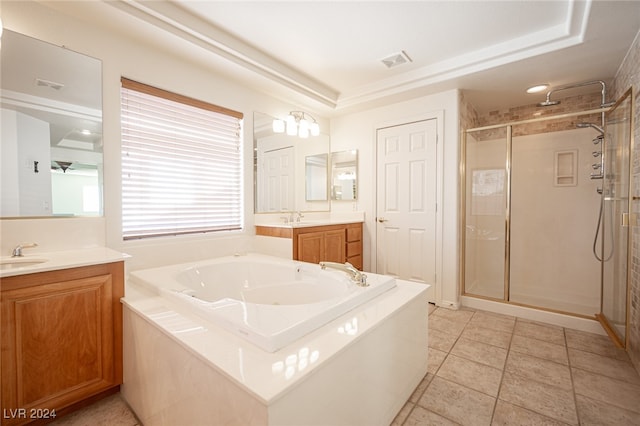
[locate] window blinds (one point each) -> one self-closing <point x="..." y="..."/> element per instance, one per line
<point x="181" y="164"/>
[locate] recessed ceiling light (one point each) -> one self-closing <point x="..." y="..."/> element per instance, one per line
<point x="538" y="88"/>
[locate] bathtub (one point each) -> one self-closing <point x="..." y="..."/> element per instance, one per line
<point x="200" y="343"/>
<point x="268" y="301"/>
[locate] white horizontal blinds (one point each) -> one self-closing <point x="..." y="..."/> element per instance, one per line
<point x="181" y="164"/>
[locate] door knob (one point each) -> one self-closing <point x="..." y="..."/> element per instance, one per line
<point x="382" y="220"/>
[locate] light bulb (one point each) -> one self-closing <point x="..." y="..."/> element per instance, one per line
<point x="292" y="126"/>
<point x="278" y="126"/>
<point x="303" y="132"/>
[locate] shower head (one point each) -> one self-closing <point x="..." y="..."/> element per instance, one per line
<point x="595" y="126"/>
<point x="548" y="103"/>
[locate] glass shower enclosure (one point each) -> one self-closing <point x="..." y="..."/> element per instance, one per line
<point x="531" y="202"/>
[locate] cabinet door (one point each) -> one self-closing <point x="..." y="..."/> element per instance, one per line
<point x="57" y="343"/>
<point x="334" y="246"/>
<point x="311" y="247"/>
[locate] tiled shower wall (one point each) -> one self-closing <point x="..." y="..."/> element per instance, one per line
<point x="628" y="75"/>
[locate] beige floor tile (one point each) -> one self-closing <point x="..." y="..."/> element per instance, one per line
<point x="605" y="389"/>
<point x="544" y="332"/>
<point x="483" y="353"/>
<point x="610" y="367"/>
<point x="421" y="417"/>
<point x="592" y="412"/>
<point x="539" y="348"/>
<point x="431" y="308"/>
<point x="458" y="315"/>
<point x="445" y="324"/>
<point x="538" y="369"/>
<point x="435" y="360"/>
<point x="471" y="374"/>
<point x="487" y="335"/>
<point x="415" y="396"/>
<point x="110" y="411"/>
<point x="458" y="403"/>
<point x="544" y="399"/>
<point x="493" y="321"/>
<point x="595" y="343"/>
<point x="403" y="414"/>
<point x="440" y="340"/>
<point x="507" y="414"/>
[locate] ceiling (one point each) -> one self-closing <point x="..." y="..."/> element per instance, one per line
<point x="327" y="55"/>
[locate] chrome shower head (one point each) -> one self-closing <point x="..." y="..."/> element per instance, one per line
<point x="548" y="103"/>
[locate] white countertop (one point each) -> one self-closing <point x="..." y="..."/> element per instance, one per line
<point x="62" y="259"/>
<point x="309" y="223"/>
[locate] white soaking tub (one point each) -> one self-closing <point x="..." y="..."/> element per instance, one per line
<point x="255" y="339"/>
<point x="269" y="301"/>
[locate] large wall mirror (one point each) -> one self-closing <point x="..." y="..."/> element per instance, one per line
<point x="291" y="173"/>
<point x="51" y="132"/>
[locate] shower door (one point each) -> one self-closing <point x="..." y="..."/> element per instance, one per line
<point x="486" y="206"/>
<point x="617" y="219"/>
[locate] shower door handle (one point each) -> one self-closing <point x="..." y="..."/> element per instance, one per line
<point x="629" y="219"/>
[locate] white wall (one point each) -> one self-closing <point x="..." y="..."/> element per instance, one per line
<point x="358" y="131"/>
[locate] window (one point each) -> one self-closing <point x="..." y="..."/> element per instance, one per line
<point x="181" y="164"/>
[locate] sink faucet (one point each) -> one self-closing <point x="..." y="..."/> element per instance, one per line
<point x="355" y="275"/>
<point x="299" y="216"/>
<point x="17" y="251"/>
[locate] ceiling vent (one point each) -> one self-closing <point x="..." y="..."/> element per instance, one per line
<point x="48" y="83"/>
<point x="396" y="59"/>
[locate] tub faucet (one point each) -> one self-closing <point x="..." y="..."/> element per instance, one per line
<point x="355" y="275"/>
<point x="17" y="251"/>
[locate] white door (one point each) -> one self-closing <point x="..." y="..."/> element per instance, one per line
<point x="277" y="180"/>
<point x="406" y="201"/>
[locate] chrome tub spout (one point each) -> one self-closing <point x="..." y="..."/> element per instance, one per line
<point x="356" y="276"/>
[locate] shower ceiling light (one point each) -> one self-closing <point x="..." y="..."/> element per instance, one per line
<point x="538" y="88"/>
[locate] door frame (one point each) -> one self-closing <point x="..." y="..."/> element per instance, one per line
<point x="436" y="290"/>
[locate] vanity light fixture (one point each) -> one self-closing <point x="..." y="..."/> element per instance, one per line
<point x="298" y="123"/>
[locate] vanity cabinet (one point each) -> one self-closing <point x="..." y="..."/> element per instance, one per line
<point x="333" y="243"/>
<point x="61" y="340"/>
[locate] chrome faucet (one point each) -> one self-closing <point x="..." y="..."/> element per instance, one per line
<point x="355" y="275"/>
<point x="299" y="216"/>
<point x="17" y="251"/>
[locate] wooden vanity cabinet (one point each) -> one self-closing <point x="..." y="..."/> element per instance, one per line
<point x="333" y="243"/>
<point x="61" y="340"/>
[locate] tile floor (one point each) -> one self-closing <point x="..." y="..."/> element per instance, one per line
<point x="490" y="369"/>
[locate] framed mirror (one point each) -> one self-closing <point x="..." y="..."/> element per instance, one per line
<point x="288" y="169"/>
<point x="51" y="152"/>
<point x="344" y="175"/>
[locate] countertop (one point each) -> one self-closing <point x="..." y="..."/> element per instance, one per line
<point x="62" y="259"/>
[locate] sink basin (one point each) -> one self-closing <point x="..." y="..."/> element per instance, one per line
<point x="20" y="262"/>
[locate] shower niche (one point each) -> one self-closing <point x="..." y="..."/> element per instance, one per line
<point x="531" y="202"/>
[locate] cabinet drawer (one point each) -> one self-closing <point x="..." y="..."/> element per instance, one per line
<point x="354" y="233"/>
<point x="354" y="248"/>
